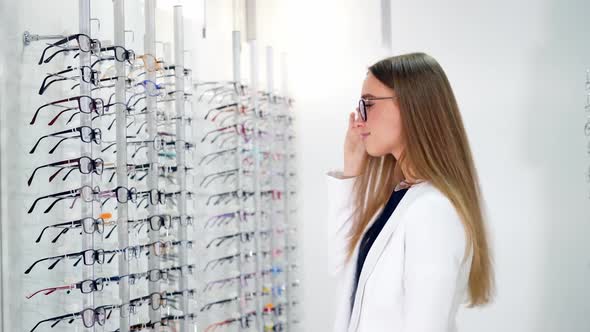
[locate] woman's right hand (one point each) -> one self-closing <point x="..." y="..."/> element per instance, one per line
<point x="354" y="149"/>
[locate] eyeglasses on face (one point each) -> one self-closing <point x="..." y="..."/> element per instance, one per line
<point x="365" y="103"/>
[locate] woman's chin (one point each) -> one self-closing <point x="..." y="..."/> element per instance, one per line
<point x="373" y="152"/>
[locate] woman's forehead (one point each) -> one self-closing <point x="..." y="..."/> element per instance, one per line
<point x="373" y="87"/>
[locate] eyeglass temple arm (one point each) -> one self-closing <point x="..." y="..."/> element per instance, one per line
<point x="60" y="113"/>
<point x="111" y="231"/>
<point x="50" y="104"/>
<point x="62" y="232"/>
<point x="220" y="108"/>
<point x="45" y="85"/>
<point x="112" y="124"/>
<point x="72" y="168"/>
<point x="73" y="195"/>
<point x="114" y="252"/>
<point x="59" y="258"/>
<point x="51" y="135"/>
<point x="57" y="43"/>
<point x="144" y="175"/>
<point x="138" y="99"/>
<point x="137" y="150"/>
<point x="108" y="147"/>
<point x="112" y="177"/>
<point x="229" y="116"/>
<point x="51" y="290"/>
<point x="37" y="200"/>
<point x="60" y="141"/>
<point x="55" y="226"/>
<point x="221" y="134"/>
<point x="58" y="319"/>
<point x="62" y="49"/>
<point x="35" y="171"/>
<point x="72" y="117"/>
<point x="212" y="132"/>
<point x="64" y="162"/>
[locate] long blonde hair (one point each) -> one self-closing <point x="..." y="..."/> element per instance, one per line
<point x="436" y="150"/>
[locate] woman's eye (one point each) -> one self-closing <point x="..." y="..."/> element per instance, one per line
<point x="368" y="105"/>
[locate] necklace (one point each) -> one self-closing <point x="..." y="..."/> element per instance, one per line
<point x="404" y="184"/>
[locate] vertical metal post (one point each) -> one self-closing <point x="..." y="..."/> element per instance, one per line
<point x="251" y="37"/>
<point x="386" y="39"/>
<point x="272" y="211"/>
<point x="236" y="51"/>
<point x="287" y="197"/>
<point x="121" y="138"/>
<point x="269" y="70"/>
<point x="180" y="152"/>
<point x="86" y="149"/>
<point x="236" y="42"/>
<point x="152" y="178"/>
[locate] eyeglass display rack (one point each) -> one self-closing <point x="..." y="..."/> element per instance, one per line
<point x="200" y="215"/>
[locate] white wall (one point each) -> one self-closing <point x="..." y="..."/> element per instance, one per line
<point x="518" y="71"/>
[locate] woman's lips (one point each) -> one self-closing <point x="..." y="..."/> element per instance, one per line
<point x="365" y="135"/>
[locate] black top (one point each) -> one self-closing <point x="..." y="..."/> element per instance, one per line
<point x="372" y="233"/>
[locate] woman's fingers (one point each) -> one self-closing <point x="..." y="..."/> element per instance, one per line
<point x="357" y="123"/>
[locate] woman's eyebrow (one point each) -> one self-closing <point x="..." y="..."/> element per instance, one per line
<point x="367" y="95"/>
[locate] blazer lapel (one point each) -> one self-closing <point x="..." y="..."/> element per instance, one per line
<point x="378" y="247"/>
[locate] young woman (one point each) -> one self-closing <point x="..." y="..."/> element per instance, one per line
<point x="408" y="241"/>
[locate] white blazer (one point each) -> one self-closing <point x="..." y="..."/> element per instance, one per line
<point x="414" y="277"/>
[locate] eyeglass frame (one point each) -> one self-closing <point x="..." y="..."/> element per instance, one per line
<point x="362" y="106"/>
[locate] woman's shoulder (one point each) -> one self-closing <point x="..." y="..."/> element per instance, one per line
<point x="429" y="197"/>
<point x="432" y="211"/>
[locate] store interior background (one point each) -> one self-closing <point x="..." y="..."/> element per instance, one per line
<point x="518" y="70"/>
